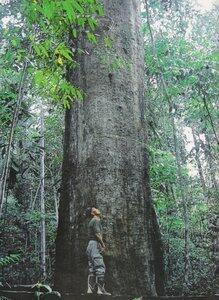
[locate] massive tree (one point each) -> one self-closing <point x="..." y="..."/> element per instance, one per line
<point x="105" y="159"/>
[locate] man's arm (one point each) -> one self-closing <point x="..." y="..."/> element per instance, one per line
<point x="97" y="232"/>
<point x="100" y="239"/>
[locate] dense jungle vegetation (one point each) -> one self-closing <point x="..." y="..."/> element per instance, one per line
<point x="38" y="47"/>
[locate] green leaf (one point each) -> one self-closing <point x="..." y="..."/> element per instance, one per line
<point x="66" y="104"/>
<point x="100" y="10"/>
<point x="8" y="260"/>
<point x="81" y="22"/>
<point x="41" y="50"/>
<point x="77" y="6"/>
<point x="79" y="95"/>
<point x="39" y="77"/>
<point x="92" y="23"/>
<point x="66" y="53"/>
<point x="15" y="42"/>
<point x="37" y="49"/>
<point x="74" y="32"/>
<point x="91" y="37"/>
<point x="48" y="9"/>
<point x="67" y="5"/>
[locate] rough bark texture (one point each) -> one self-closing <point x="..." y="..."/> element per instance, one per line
<point x="105" y="160"/>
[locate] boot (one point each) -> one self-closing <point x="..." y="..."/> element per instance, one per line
<point x="100" y="287"/>
<point x="91" y="284"/>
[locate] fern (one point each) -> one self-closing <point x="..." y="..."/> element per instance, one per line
<point x="9" y="260"/>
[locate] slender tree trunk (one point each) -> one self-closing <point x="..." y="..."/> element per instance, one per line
<point x="105" y="160"/>
<point x="213" y="167"/>
<point x="55" y="198"/>
<point x="5" y="171"/>
<point x="182" y="184"/>
<point x="210" y="117"/>
<point x="199" y="165"/>
<point x="42" y="199"/>
<point x="32" y="204"/>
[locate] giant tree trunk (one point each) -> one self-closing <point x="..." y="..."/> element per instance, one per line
<point x="105" y="161"/>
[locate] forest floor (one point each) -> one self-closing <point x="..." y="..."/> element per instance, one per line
<point x="22" y="295"/>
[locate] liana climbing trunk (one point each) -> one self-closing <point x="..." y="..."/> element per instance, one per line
<point x="105" y="160"/>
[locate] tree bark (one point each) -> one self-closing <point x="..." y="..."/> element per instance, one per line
<point x="105" y="160"/>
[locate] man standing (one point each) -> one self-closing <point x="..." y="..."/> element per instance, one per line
<point x="94" y="252"/>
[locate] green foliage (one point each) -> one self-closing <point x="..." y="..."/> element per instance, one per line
<point x="52" y="85"/>
<point x="45" y="37"/>
<point x="38" y="44"/>
<point x="60" y="21"/>
<point x="163" y="168"/>
<point x="181" y="89"/>
<point x="10" y="260"/>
